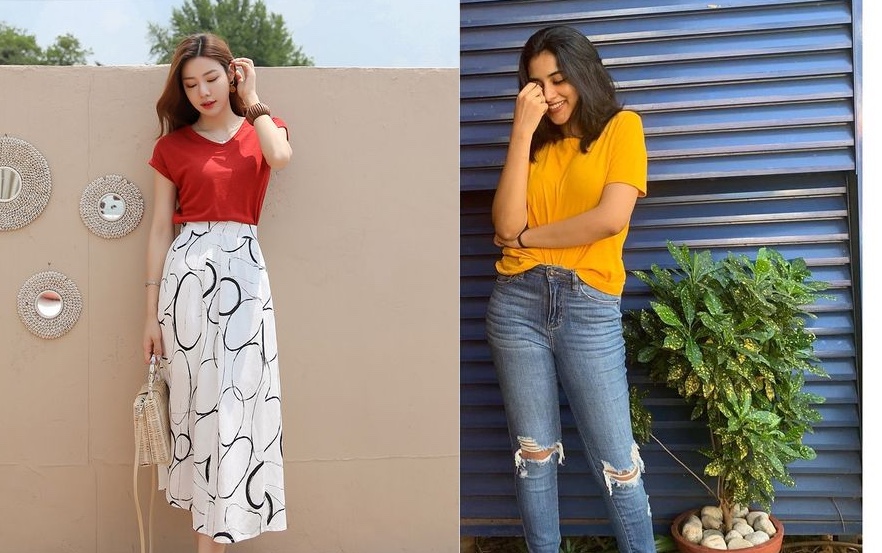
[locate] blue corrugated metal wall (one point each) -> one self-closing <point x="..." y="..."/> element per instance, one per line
<point x="748" y="108"/>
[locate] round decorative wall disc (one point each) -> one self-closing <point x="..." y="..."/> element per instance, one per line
<point x="49" y="304"/>
<point x="25" y="183"/>
<point x="111" y="206"/>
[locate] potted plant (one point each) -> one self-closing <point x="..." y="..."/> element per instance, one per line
<point x="730" y="337"/>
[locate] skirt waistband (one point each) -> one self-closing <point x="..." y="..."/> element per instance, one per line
<point x="233" y="228"/>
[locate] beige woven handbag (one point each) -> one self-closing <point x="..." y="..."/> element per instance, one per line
<point x="152" y="442"/>
<point x="152" y="434"/>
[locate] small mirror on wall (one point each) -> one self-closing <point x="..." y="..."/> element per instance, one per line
<point x="25" y="183"/>
<point x="49" y="304"/>
<point x="111" y="206"/>
<point x="10" y="184"/>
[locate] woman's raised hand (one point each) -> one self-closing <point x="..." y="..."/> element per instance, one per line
<point x="246" y="79"/>
<point x="530" y="106"/>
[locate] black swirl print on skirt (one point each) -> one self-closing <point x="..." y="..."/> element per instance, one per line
<point x="219" y="339"/>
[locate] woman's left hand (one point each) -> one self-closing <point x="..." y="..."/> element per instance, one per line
<point x="246" y="80"/>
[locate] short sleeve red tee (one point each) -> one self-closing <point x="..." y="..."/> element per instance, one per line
<point x="215" y="182"/>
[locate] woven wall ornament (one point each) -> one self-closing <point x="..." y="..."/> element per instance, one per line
<point x="24" y="204"/>
<point x="111" y="206"/>
<point x="49" y="304"/>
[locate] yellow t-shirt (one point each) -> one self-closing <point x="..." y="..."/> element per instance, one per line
<point x="565" y="182"/>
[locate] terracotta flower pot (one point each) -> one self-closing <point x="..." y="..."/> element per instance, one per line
<point x="686" y="546"/>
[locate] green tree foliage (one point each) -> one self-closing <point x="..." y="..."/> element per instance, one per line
<point x="247" y="27"/>
<point x="18" y="47"/>
<point x="66" y="51"/>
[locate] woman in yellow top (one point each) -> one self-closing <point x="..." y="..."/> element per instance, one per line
<point x="575" y="166"/>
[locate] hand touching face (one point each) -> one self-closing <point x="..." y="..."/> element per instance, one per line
<point x="530" y="106"/>
<point x="560" y="96"/>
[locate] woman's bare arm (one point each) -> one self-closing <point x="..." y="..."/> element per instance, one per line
<point x="608" y="218"/>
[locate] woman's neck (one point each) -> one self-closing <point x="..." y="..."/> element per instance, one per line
<point x="570" y="130"/>
<point x="221" y="128"/>
<point x="223" y="121"/>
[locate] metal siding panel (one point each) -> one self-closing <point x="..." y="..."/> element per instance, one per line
<point x="749" y="112"/>
<point x="750" y="57"/>
<point x="508" y="29"/>
<point x="695" y="120"/>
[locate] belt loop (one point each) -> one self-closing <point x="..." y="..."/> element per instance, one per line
<point x="575" y="280"/>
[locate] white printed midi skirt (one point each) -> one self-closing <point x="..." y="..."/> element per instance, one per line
<point x="219" y="343"/>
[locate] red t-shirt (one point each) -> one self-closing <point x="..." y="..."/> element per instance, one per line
<point x="215" y="182"/>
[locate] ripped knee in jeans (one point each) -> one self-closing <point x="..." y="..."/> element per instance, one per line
<point x="531" y="452"/>
<point x="626" y="477"/>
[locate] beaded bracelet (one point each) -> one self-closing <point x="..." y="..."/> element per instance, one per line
<point x="151" y="283"/>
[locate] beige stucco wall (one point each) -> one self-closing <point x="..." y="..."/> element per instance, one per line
<point x="360" y="232"/>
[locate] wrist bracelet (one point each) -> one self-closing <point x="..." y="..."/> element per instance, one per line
<point x="521" y="244"/>
<point x="151" y="283"/>
<point x="254" y="111"/>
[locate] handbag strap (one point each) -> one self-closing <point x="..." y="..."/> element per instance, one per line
<point x="153" y="469"/>
<point x="151" y="374"/>
<point x="149" y="548"/>
<point x="135" y="488"/>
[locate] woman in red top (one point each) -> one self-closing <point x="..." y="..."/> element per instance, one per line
<point x="209" y="307"/>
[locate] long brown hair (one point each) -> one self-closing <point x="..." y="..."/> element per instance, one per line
<point x="173" y="107"/>
<point x="580" y="64"/>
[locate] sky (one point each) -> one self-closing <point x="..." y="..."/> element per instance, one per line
<point x="334" y="33"/>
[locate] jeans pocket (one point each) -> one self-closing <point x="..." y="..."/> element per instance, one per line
<point x="597" y="296"/>
<point x="508" y="279"/>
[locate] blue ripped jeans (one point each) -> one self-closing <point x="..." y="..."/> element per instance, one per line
<point x="546" y="326"/>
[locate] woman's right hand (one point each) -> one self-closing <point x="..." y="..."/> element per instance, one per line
<point x="152" y="339"/>
<point x="530" y="107"/>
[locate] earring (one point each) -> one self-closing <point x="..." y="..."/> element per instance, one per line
<point x="232" y="87"/>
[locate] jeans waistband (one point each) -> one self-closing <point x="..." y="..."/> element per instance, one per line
<point x="554" y="273"/>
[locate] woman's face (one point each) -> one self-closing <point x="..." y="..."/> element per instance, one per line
<point x="560" y="95"/>
<point x="206" y="84"/>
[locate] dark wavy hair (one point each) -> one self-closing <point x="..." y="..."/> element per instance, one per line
<point x="173" y="107"/>
<point x="580" y="64"/>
